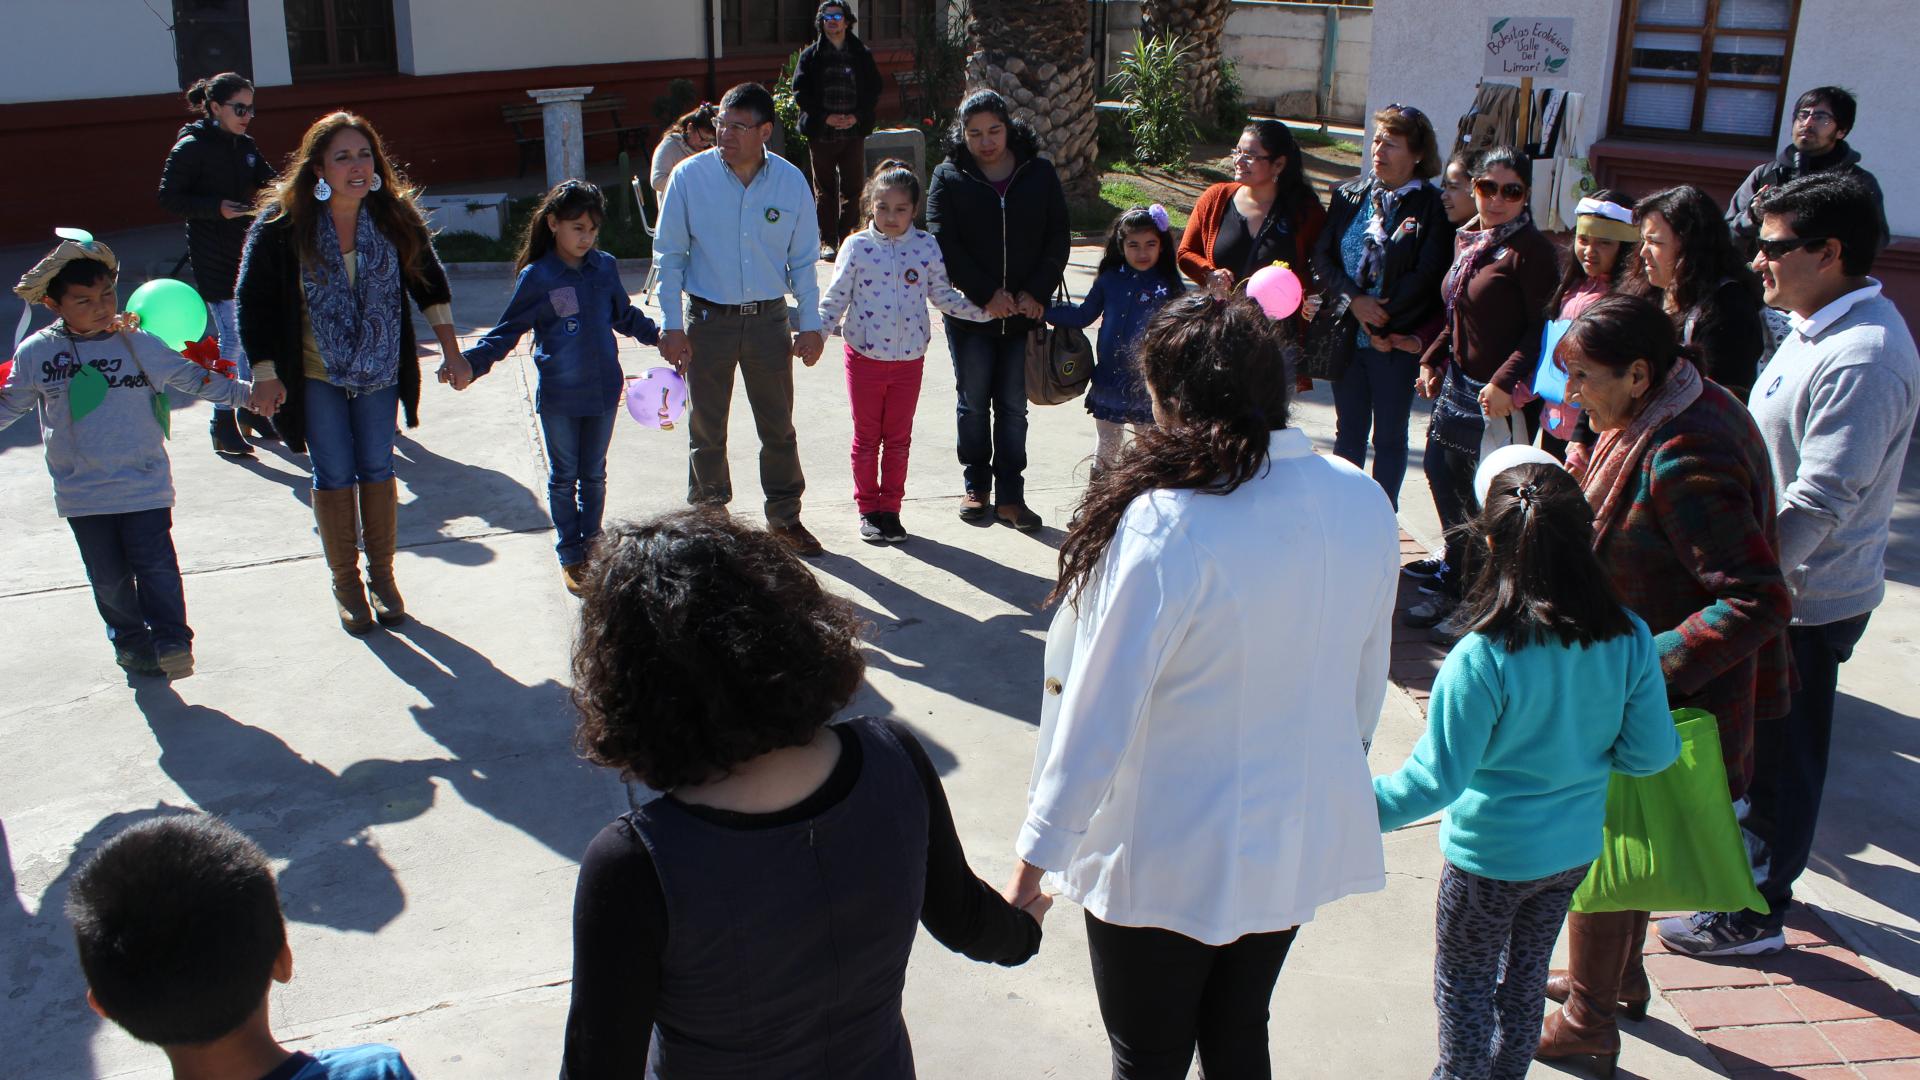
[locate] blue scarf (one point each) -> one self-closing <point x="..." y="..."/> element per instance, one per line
<point x="357" y="326"/>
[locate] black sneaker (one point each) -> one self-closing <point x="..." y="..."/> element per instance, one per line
<point x="872" y="530"/>
<point x="1720" y="933"/>
<point x="891" y="529"/>
<point x="174" y="661"/>
<point x="1428" y="612"/>
<point x="137" y="662"/>
<point x="1425" y="568"/>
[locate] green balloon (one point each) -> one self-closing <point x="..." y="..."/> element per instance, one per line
<point x="170" y="310"/>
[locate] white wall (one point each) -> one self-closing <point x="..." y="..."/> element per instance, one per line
<point x="71" y="49"/>
<point x="267" y="24"/>
<point x="1429" y="53"/>
<point x="1278" y="49"/>
<point x="446" y="36"/>
<point x="1833" y="48"/>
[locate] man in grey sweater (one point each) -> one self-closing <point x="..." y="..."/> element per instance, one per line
<point x="1836" y="406"/>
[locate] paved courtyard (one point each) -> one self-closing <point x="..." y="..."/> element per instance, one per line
<point x="419" y="794"/>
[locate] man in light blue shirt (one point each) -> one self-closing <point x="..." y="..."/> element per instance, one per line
<point x="737" y="234"/>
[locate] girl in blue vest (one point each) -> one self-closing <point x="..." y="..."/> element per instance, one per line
<point x="1137" y="274"/>
<point x="570" y="295"/>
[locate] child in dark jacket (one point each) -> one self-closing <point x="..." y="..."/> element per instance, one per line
<point x="1137" y="274"/>
<point x="570" y="295"/>
<point x="102" y="391"/>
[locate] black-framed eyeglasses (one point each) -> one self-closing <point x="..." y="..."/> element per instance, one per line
<point x="240" y="109"/>
<point x="1817" y="116"/>
<point x="1775" y="250"/>
<point x="1493" y="189"/>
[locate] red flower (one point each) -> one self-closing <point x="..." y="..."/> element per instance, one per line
<point x="206" y="353"/>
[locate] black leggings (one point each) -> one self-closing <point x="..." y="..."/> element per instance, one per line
<point x="1163" y="993"/>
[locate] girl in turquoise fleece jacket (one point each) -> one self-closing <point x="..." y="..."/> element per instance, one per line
<point x="1554" y="686"/>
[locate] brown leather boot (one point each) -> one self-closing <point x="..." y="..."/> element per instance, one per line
<point x="334" y="513"/>
<point x="1601" y="948"/>
<point x="380" y="529"/>
<point x="1635" y="991"/>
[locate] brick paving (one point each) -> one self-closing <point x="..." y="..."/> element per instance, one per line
<point x="1815" y="1010"/>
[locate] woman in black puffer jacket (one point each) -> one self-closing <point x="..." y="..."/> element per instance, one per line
<point x="1000" y="215"/>
<point x="212" y="177"/>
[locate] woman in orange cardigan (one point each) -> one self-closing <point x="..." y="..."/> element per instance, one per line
<point x="1268" y="211"/>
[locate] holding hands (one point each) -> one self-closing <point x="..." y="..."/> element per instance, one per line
<point x="676" y="350"/>
<point x="807" y="346"/>
<point x="1024" y="892"/>
<point x="268" y="394"/>
<point x="455" y="371"/>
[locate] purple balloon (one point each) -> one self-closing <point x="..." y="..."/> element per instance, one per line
<point x="657" y="398"/>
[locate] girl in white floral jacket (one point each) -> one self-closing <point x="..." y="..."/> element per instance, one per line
<point x="882" y="280"/>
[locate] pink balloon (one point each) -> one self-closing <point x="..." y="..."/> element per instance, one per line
<point x="1277" y="289"/>
<point x="657" y="398"/>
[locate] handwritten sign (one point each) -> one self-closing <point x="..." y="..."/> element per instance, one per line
<point x="1526" y="48"/>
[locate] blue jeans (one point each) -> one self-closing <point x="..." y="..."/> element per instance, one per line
<point x="350" y="436"/>
<point x="576" y="479"/>
<point x="135" y="577"/>
<point x="1376" y="394"/>
<point x="226" y="324"/>
<point x="990" y="373"/>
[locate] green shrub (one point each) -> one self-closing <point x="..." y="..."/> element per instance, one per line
<point x="1229" y="108"/>
<point x="676" y="102"/>
<point x="940" y="66"/>
<point x="786" y="112"/>
<point x="1152" y="81"/>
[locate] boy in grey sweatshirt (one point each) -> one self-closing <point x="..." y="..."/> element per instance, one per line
<point x="1836" y="406"/>
<point x="102" y="396"/>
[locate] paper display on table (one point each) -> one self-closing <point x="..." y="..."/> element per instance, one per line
<point x="1549" y="381"/>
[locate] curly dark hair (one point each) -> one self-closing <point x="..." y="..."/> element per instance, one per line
<point x="705" y="643"/>
<point x="1216" y="367"/>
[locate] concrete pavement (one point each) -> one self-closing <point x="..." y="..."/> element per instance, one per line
<point x="418" y="791"/>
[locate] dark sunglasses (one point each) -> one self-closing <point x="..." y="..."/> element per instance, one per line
<point x="1775" y="250"/>
<point x="833" y="16"/>
<point x="1407" y="110"/>
<point x="1490" y="189"/>
<point x="241" y="110"/>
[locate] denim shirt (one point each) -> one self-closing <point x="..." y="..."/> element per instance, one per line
<point x="733" y="243"/>
<point x="1123" y="299"/>
<point x="573" y="313"/>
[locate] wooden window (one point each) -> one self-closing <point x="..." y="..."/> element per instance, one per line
<point x="769" y="25"/>
<point x="1704" y="70"/>
<point x="894" y="21"/>
<point x="332" y="38"/>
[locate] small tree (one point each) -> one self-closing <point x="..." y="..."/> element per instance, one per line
<point x="1153" y="84"/>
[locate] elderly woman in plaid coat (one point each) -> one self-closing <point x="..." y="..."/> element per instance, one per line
<point x="1682" y="493"/>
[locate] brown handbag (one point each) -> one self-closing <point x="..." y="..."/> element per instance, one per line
<point x="1059" y="361"/>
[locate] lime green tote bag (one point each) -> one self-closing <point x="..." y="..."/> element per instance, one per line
<point x="1671" y="842"/>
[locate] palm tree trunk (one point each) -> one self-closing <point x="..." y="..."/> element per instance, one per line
<point x="1202" y="26"/>
<point x="1037" y="54"/>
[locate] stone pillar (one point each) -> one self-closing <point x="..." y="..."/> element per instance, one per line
<point x="565" y="136"/>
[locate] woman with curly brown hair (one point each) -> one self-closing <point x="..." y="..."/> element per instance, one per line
<point x="1221" y="658"/>
<point x="755" y="919"/>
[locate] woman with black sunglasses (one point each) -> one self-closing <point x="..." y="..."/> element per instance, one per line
<point x="1496" y="295"/>
<point x="211" y="178"/>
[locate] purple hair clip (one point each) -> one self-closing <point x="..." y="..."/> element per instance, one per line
<point x="1159" y="215"/>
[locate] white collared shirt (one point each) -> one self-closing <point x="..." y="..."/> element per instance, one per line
<point x="1816" y="324"/>
<point x="1200" y="766"/>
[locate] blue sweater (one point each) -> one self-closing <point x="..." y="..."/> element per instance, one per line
<point x="573" y="313"/>
<point x="1519" y="746"/>
<point x="1123" y="300"/>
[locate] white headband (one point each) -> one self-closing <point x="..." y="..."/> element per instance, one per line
<point x="1611" y="211"/>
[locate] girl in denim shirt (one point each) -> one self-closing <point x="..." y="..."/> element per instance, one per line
<point x="570" y="295"/>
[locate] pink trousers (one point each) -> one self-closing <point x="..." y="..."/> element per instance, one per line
<point x="884" y="394"/>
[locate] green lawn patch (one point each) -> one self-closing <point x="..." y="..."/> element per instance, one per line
<point x="1310" y="137"/>
<point x="1116" y="197"/>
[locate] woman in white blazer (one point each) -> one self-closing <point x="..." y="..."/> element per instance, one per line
<point x="1216" y="668"/>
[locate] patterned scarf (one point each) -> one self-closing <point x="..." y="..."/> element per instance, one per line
<point x="357" y="325"/>
<point x="1615" y="463"/>
<point x="1373" y="250"/>
<point x="1474" y="248"/>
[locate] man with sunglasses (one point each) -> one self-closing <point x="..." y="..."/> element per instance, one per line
<point x="1822" y="120"/>
<point x="1836" y="406"/>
